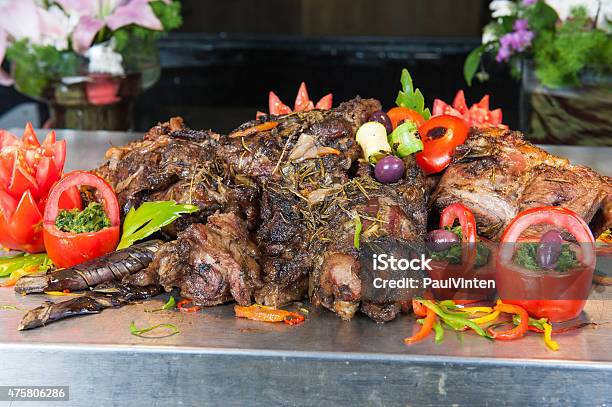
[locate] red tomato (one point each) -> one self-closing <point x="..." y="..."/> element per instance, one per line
<point x="440" y="135"/>
<point x="277" y="107"/>
<point x="28" y="170"/>
<point x="302" y="103"/>
<point x="478" y="115"/>
<point x="66" y="249"/>
<point x="516" y="286"/>
<point x="400" y="114"/>
<point x="325" y="103"/>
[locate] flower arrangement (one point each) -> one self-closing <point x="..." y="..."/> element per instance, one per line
<point x="564" y="38"/>
<point x="49" y="39"/>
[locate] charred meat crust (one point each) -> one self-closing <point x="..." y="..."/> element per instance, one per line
<point x="285" y="183"/>
<point x="497" y="174"/>
<point x="211" y="264"/>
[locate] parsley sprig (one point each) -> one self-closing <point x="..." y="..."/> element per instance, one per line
<point x="411" y="98"/>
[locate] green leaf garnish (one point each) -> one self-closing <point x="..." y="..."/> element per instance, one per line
<point x="411" y="98"/>
<point x="471" y="64"/>
<point x="170" y="304"/>
<point x="149" y="218"/>
<point x="358" y="227"/>
<point x="140" y="331"/>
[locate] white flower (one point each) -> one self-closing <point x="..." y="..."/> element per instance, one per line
<point x="502" y="8"/>
<point x="104" y="59"/>
<point x="58" y="33"/>
<point x="489" y="34"/>
<point x="564" y="8"/>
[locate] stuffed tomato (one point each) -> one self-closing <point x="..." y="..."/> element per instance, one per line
<point x="73" y="236"/>
<point x="457" y="254"/>
<point x="550" y="277"/>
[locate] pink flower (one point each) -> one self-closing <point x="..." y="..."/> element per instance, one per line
<point x="96" y="14"/>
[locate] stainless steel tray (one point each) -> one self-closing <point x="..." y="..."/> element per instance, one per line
<point x="220" y="360"/>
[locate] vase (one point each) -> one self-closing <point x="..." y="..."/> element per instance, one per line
<point x="579" y="115"/>
<point x="84" y="100"/>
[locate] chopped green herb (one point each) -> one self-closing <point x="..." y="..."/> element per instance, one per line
<point x="91" y="219"/>
<point x="453" y="254"/>
<point x="170" y="304"/>
<point x="526" y="256"/>
<point x="140" y="331"/>
<point x="411" y="98"/>
<point x="358" y="227"/>
<point x="149" y="218"/>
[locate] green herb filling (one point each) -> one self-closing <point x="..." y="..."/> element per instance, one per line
<point x="526" y="256"/>
<point x="89" y="220"/>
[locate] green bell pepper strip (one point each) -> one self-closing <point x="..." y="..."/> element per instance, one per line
<point x="453" y="320"/>
<point x="438" y="330"/>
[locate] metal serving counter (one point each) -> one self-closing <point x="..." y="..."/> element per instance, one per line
<point x="219" y="359"/>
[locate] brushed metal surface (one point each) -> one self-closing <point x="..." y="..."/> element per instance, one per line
<point x="220" y="360"/>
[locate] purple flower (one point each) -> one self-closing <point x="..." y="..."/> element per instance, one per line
<point x="528" y="3"/>
<point x="504" y="53"/>
<point x="521" y="24"/>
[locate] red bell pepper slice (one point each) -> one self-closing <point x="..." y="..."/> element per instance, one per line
<point x="401" y="114"/>
<point x="556" y="310"/>
<point x="516" y="332"/>
<point x="440" y="135"/>
<point x="66" y="249"/>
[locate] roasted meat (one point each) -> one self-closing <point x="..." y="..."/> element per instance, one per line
<point x="175" y="163"/>
<point x="396" y="212"/>
<point x="314" y="152"/>
<point x="283" y="176"/>
<point x="211" y="264"/>
<point x="497" y="174"/>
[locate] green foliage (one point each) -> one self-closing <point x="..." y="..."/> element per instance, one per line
<point x="411" y="98"/>
<point x="471" y="64"/>
<point x="34" y="66"/>
<point x="563" y="55"/>
<point x="541" y="17"/>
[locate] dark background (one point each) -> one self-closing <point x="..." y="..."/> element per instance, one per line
<point x="218" y="69"/>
